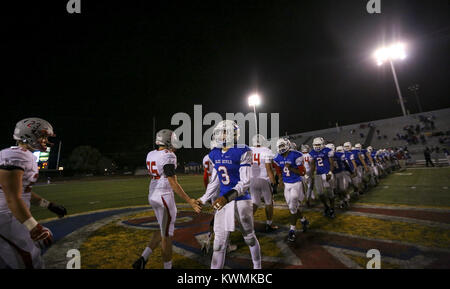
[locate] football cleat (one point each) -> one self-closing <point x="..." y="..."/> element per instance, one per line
<point x="139" y="264"/>
<point x="331" y="214"/>
<point x="271" y="228"/>
<point x="305" y="224"/>
<point x="291" y="236"/>
<point x="231" y="248"/>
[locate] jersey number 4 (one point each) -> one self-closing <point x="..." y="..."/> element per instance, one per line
<point x="257" y="159"/>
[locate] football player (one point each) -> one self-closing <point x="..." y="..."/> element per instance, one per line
<point x="290" y="167"/>
<point x="21" y="236"/>
<point x="307" y="179"/>
<point x="161" y="164"/>
<point x="262" y="179"/>
<point x="208" y="167"/>
<point x="351" y="169"/>
<point x="231" y="174"/>
<point x="322" y="166"/>
<point x="342" y="179"/>
<point x="361" y="166"/>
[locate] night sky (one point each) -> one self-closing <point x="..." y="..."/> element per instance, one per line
<point x="100" y="76"/>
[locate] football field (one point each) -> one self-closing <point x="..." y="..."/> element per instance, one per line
<point x="406" y="217"/>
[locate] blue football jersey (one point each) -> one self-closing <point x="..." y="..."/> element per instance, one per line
<point x="322" y="160"/>
<point x="227" y="165"/>
<point x="357" y="153"/>
<point x="373" y="154"/>
<point x="339" y="159"/>
<point x="349" y="156"/>
<point x="294" y="159"/>
<point x="366" y="158"/>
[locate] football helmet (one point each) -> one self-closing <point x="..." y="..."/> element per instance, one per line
<point x="348" y="146"/>
<point x="330" y="146"/>
<point x="167" y="138"/>
<point x="31" y="131"/>
<point x="283" y="145"/>
<point x="259" y="140"/>
<point x="358" y="146"/>
<point x="305" y="149"/>
<point x="293" y="146"/>
<point x="369" y="149"/>
<point x="340" y="149"/>
<point x="318" y="144"/>
<point x="226" y="133"/>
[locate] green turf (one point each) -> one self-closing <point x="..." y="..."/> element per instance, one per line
<point x="397" y="188"/>
<point x="88" y="195"/>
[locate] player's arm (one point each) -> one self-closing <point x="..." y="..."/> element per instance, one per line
<point x="361" y="158"/>
<point x="169" y="171"/>
<point x="298" y="169"/>
<point x="41" y="202"/>
<point x="205" y="177"/>
<point x="270" y="173"/>
<point x="211" y="188"/>
<point x="243" y="184"/>
<point x="11" y="182"/>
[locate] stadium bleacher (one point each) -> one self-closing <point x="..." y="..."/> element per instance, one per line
<point x="384" y="133"/>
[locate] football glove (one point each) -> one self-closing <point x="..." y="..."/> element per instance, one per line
<point x="42" y="235"/>
<point x="57" y="209"/>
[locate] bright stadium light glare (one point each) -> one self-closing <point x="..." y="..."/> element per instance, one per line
<point x="254" y="99"/>
<point x="389" y="54"/>
<point x="393" y="52"/>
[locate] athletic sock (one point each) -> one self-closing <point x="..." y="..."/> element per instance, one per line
<point x="218" y="259"/>
<point x="146" y="253"/>
<point x="168" y="265"/>
<point x="255" y="251"/>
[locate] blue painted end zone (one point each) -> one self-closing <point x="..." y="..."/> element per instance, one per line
<point x="63" y="227"/>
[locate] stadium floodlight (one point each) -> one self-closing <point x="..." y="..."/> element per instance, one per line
<point x="389" y="54"/>
<point x="254" y="100"/>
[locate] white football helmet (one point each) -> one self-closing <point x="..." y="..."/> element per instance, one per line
<point x="213" y="144"/>
<point x="369" y="149"/>
<point x="358" y="146"/>
<point x="348" y="146"/>
<point x="318" y="143"/>
<point x="305" y="149"/>
<point x="259" y="140"/>
<point x="340" y="149"/>
<point x="293" y="146"/>
<point x="167" y="138"/>
<point x="283" y="145"/>
<point x="330" y="146"/>
<point x="31" y="130"/>
<point x="226" y="133"/>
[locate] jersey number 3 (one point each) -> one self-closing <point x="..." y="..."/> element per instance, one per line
<point x="224" y="173"/>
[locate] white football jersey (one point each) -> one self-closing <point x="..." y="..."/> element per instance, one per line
<point x="207" y="164"/>
<point x="260" y="157"/>
<point x="156" y="160"/>
<point x="307" y="162"/>
<point x="24" y="159"/>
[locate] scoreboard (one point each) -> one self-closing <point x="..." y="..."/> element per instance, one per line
<point x="42" y="158"/>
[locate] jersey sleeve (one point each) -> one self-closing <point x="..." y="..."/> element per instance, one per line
<point x="268" y="156"/>
<point x="212" y="188"/>
<point x="244" y="173"/>
<point x="299" y="160"/>
<point x="169" y="159"/>
<point x="14" y="158"/>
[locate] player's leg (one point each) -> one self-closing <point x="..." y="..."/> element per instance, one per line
<point x="266" y="190"/>
<point x="245" y="224"/>
<point x="168" y="224"/>
<point x="220" y="242"/>
<point x="17" y="249"/>
<point x="255" y="192"/>
<point x="329" y="192"/>
<point x="318" y="184"/>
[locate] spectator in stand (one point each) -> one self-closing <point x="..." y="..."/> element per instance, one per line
<point x="378" y="132"/>
<point x="361" y="135"/>
<point x="427" y="156"/>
